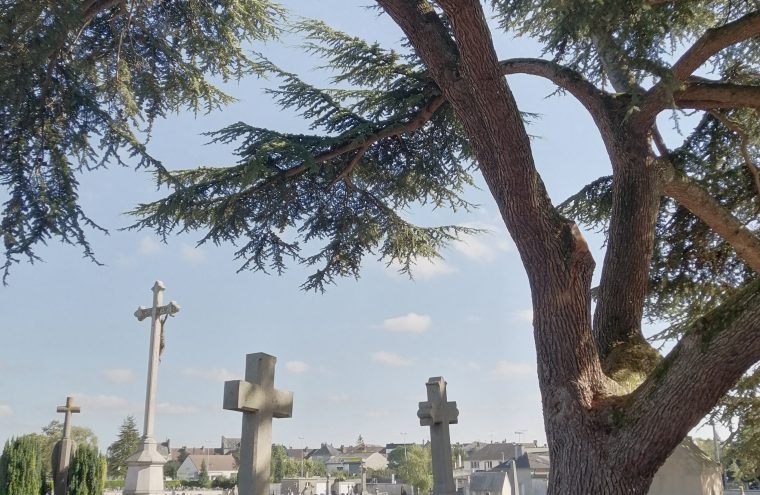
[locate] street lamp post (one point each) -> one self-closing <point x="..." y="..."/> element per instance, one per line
<point x="302" y="455"/>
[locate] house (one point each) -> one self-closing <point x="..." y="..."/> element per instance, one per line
<point x="688" y="471"/>
<point x="484" y="457"/>
<point x="352" y="463"/>
<point x="532" y="470"/>
<point x="303" y="486"/>
<point x="323" y="453"/>
<point x="488" y="483"/>
<point x="217" y="465"/>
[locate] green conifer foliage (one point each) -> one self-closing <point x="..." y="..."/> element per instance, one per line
<point x="19" y="467"/>
<point x="83" y="82"/>
<point x="87" y="472"/>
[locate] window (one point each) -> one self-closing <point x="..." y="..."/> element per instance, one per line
<point x="475" y="464"/>
<point x="488" y="465"/>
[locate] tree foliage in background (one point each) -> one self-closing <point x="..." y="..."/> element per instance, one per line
<point x="87" y="472"/>
<point x="84" y="80"/>
<point x="203" y="478"/>
<point x="19" y="467"/>
<point x="124" y="446"/>
<point x="416" y="468"/>
<point x="52" y="433"/>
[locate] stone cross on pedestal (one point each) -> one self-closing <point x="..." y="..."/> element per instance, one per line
<point x="63" y="449"/>
<point x="437" y="413"/>
<point x="259" y="402"/>
<point x="145" y="468"/>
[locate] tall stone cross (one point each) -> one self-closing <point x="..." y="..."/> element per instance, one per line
<point x="259" y="402"/>
<point x="145" y="475"/>
<point x="437" y="413"/>
<point x="63" y="449"/>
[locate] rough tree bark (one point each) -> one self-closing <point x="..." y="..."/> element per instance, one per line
<point x="602" y="438"/>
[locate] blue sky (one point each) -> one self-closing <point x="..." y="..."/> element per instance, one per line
<point x="356" y="358"/>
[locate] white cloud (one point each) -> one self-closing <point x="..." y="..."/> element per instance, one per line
<point x="102" y="402"/>
<point x="505" y="370"/>
<point x="296" y="366"/>
<point x="523" y="315"/>
<point x="425" y="269"/>
<point x="175" y="409"/>
<point x="390" y="359"/>
<point x="192" y="255"/>
<point x="210" y="374"/>
<point x="410" y="323"/>
<point x="486" y="246"/>
<point x="119" y="375"/>
<point x="149" y="246"/>
<point x="5" y="410"/>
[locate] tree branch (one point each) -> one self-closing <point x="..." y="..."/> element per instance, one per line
<point x="703" y="366"/>
<point x="712" y="95"/>
<point x="743" y="146"/>
<point x="713" y="41"/>
<point x="593" y="99"/>
<point x="703" y="205"/>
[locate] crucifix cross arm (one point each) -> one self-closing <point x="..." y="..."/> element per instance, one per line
<point x="169" y="309"/>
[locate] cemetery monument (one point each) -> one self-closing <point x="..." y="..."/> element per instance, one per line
<point x="64" y="449"/>
<point x="145" y="468"/>
<point x="437" y="413"/>
<point x="259" y="402"/>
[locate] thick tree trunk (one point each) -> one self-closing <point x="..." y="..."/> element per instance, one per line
<point x="602" y="439"/>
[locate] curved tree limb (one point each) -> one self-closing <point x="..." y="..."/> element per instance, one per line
<point x="593" y="99"/>
<point x="685" y="386"/>
<point x="702" y="204"/>
<point x="713" y="41"/>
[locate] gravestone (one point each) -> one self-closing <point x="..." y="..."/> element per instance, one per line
<point x="64" y="449"/>
<point x="145" y="468"/>
<point x="438" y="413"/>
<point x="259" y="402"/>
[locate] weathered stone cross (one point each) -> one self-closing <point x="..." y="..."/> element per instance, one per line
<point x="63" y="449"/>
<point x="259" y="402"/>
<point x="145" y="473"/>
<point x="69" y="409"/>
<point x="437" y="413"/>
<point x="155" y="313"/>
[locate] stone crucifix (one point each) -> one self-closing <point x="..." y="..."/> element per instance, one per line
<point x="145" y="475"/>
<point x="259" y="402"/>
<point x="438" y="413"/>
<point x="63" y="449"/>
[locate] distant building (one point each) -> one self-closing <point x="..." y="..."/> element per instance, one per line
<point x="323" y="453"/>
<point x="488" y="483"/>
<point x="486" y="456"/>
<point x="217" y="465"/>
<point x="229" y="445"/>
<point x="352" y="463"/>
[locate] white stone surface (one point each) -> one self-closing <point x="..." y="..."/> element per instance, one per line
<point x="259" y="402"/>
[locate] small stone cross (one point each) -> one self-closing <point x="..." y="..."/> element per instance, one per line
<point x="438" y="413"/>
<point x="259" y="402"/>
<point x="69" y="409"/>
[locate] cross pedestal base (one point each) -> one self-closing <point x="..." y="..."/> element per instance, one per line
<point x="145" y="471"/>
